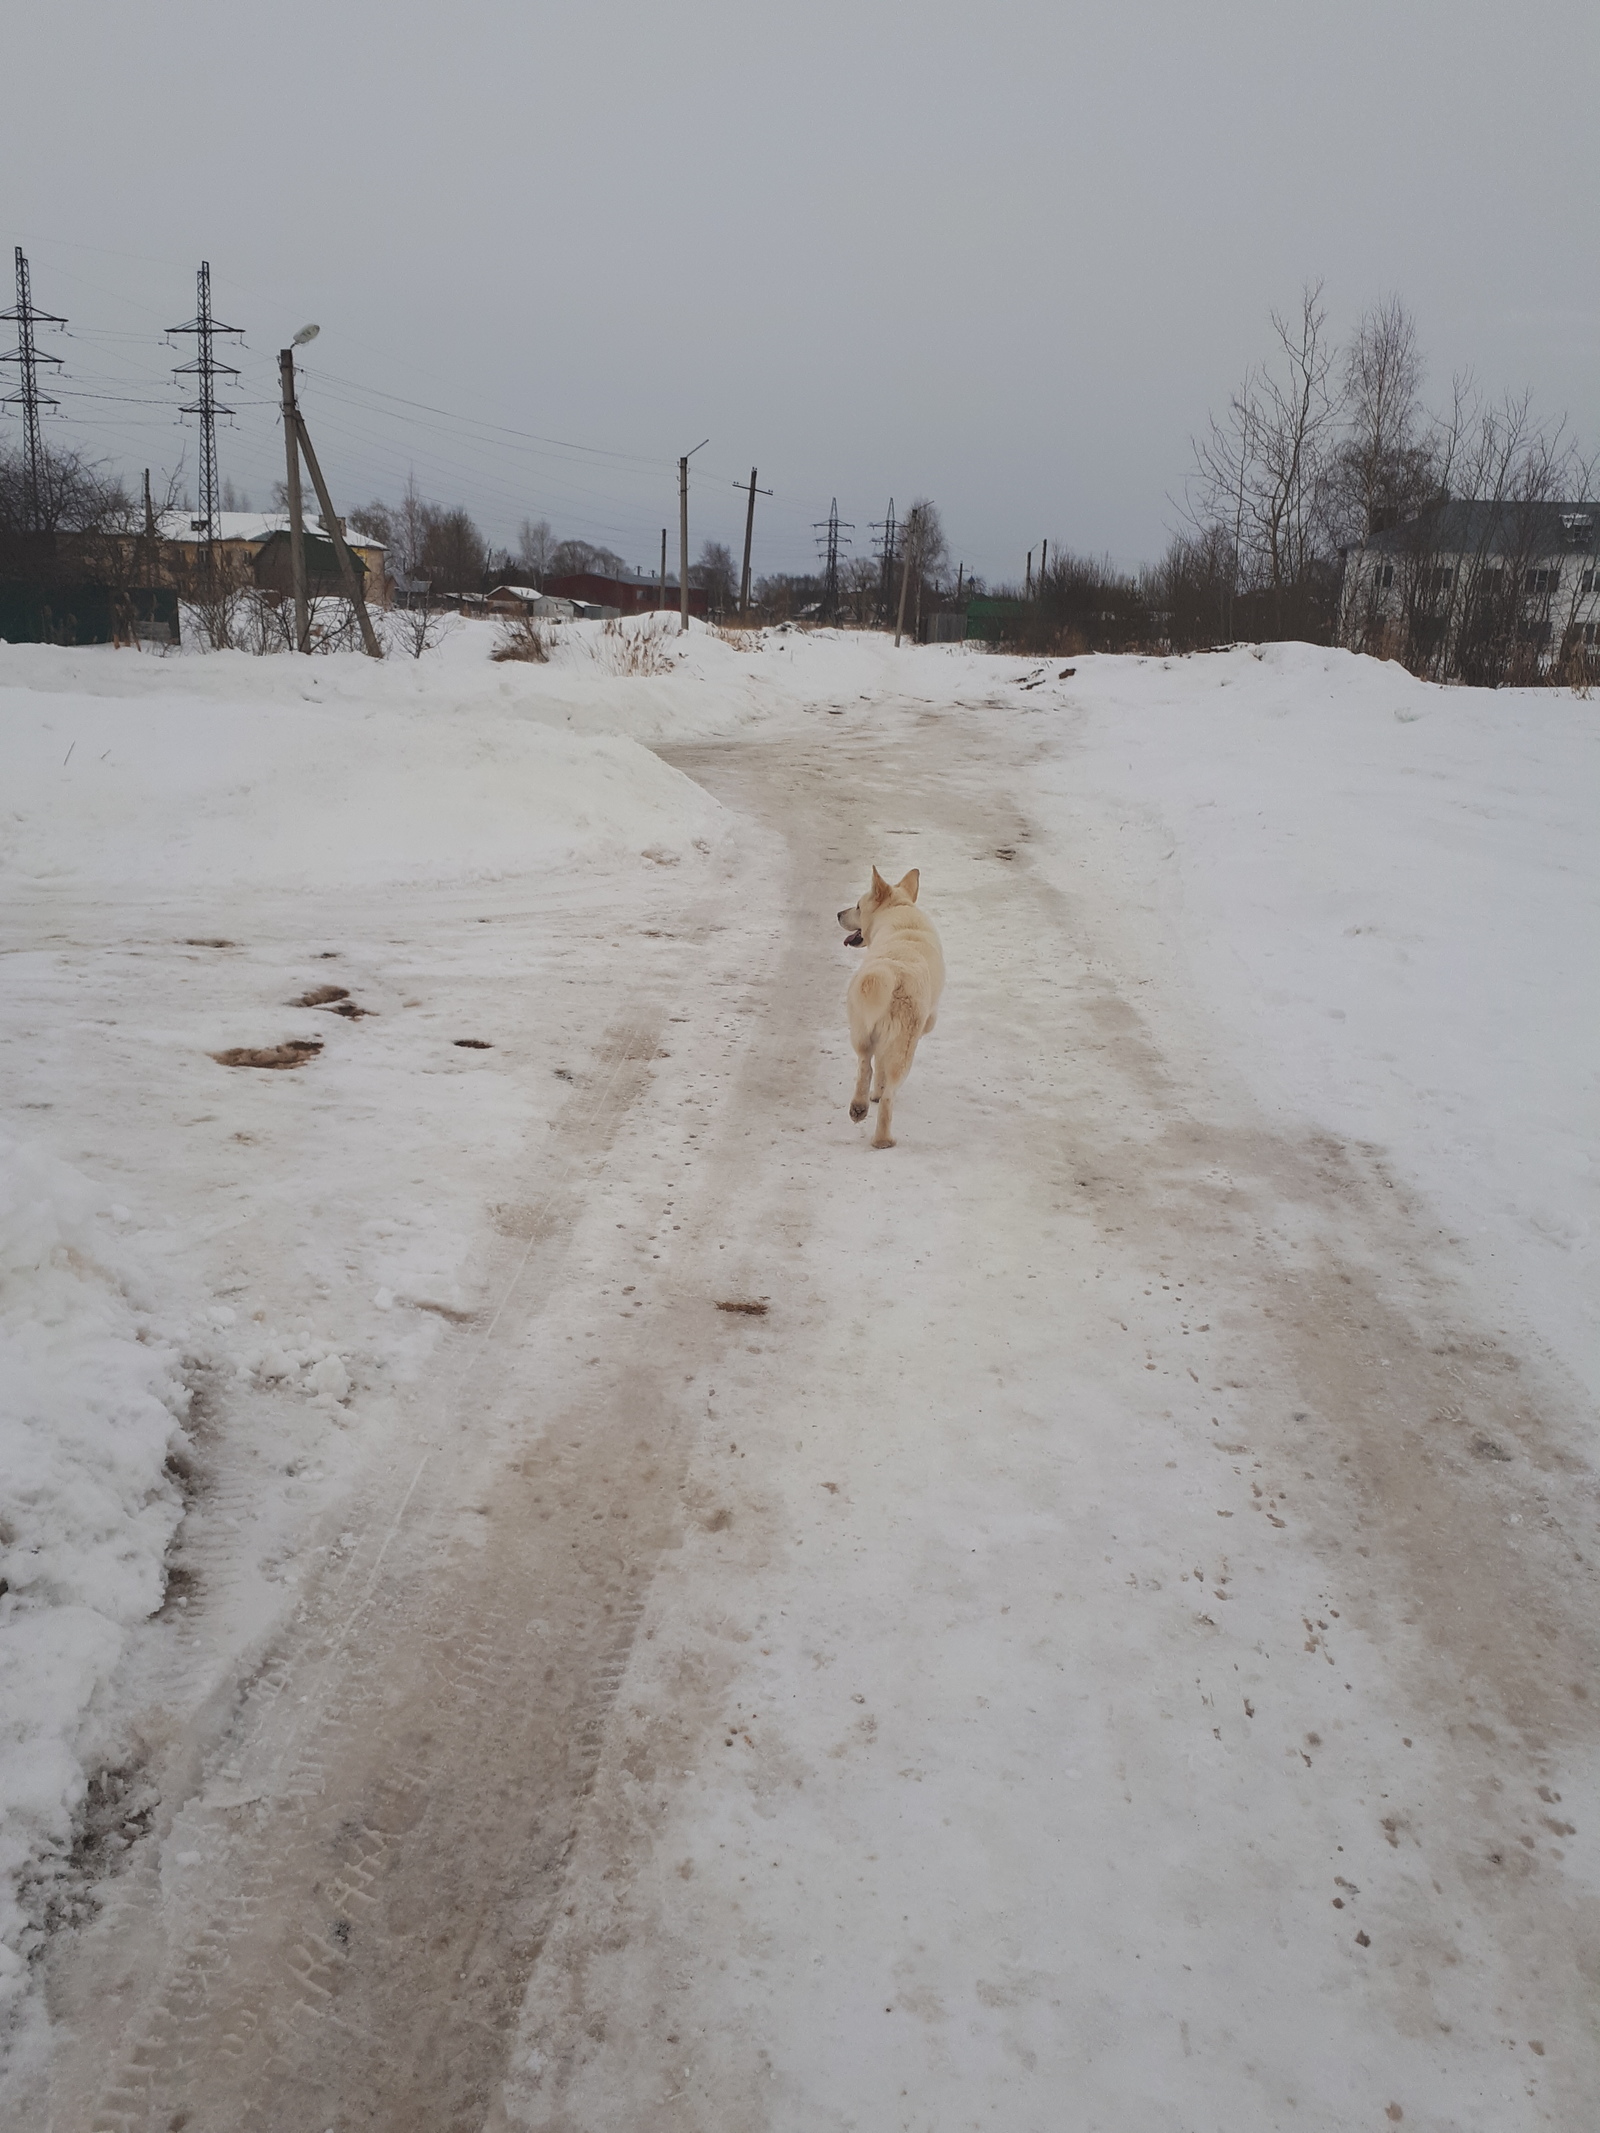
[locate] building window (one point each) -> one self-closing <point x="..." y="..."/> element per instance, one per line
<point x="1439" y="581"/>
<point x="1587" y="583"/>
<point x="1541" y="581"/>
<point x="1386" y="576"/>
<point x="1588" y="633"/>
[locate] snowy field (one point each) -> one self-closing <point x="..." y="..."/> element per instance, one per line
<point x="847" y="1712"/>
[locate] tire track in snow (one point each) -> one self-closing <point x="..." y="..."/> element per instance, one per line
<point x="387" y="1826"/>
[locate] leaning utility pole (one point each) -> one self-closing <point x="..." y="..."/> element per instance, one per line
<point x="299" y="441"/>
<point x="749" y="529"/>
<point x="297" y="527"/>
<point x="830" y="528"/>
<point x="335" y="532"/>
<point x="663" y="600"/>
<point x="206" y="369"/>
<point x="28" y="396"/>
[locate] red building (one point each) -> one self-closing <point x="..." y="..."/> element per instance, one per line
<point x="629" y="596"/>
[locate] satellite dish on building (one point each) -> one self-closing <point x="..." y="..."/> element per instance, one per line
<point x="306" y="333"/>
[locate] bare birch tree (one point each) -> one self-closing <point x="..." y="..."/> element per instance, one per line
<point x="1264" y="465"/>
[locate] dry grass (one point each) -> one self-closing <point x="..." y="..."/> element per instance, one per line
<point x="642" y="648"/>
<point x="522" y="639"/>
<point x="745" y="1308"/>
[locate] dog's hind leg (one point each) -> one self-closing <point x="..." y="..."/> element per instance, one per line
<point x="896" y="1050"/>
<point x="868" y="1000"/>
<point x="882" y="1137"/>
<point x="858" y="1102"/>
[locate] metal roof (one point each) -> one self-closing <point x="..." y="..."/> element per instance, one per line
<point x="250" y="526"/>
<point x="1471" y="526"/>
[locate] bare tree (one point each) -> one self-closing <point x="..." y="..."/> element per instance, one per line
<point x="923" y="549"/>
<point x="714" y="572"/>
<point x="377" y="519"/>
<point x="453" y="555"/>
<point x="1385" y="462"/>
<point x="76" y="495"/>
<point x="1263" y="467"/>
<point x="535" y="545"/>
<point x="574" y="558"/>
<point x="861" y="584"/>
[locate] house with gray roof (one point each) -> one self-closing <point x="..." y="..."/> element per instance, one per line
<point x="1485" y="591"/>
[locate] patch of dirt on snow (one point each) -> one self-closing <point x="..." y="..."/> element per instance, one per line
<point x="296" y="1052"/>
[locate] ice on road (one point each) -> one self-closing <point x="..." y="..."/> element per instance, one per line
<point x="1105" y="1641"/>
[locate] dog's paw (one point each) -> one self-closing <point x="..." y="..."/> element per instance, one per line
<point x="880" y="1143"/>
<point x="858" y="1112"/>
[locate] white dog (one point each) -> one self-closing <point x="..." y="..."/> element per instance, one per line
<point x="893" y="999"/>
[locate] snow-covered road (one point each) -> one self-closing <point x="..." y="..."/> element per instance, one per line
<point x="1109" y="1646"/>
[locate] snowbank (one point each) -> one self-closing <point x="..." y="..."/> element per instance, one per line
<point x="1385" y="898"/>
<point x="89" y="1410"/>
<point x="167" y="788"/>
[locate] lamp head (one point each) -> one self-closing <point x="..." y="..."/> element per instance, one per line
<point x="306" y="333"/>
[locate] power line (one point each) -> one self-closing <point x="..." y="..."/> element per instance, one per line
<point x="562" y="444"/>
<point x="28" y="396"/>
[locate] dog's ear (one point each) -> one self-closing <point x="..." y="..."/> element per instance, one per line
<point x="908" y="882"/>
<point x="880" y="888"/>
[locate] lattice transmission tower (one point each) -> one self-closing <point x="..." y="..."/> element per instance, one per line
<point x="206" y="369"/>
<point x="27" y="395"/>
<point x="832" y="531"/>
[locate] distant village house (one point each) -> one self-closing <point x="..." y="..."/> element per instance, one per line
<point x="1479" y="591"/>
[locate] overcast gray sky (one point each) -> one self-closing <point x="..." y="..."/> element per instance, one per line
<point x="1004" y="256"/>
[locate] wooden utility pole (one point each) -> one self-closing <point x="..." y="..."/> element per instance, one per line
<point x="683" y="537"/>
<point x="663" y="601"/>
<point x="905" y="580"/>
<point x="683" y="546"/>
<point x="335" y="532"/>
<point x="749" y="529"/>
<point x="297" y="527"/>
<point x="1044" y="558"/>
<point x="149" y="509"/>
<point x="1028" y="593"/>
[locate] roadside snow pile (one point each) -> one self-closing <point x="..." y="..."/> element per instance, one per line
<point x="310" y="788"/>
<point x="1384" y="897"/>
<point x="88" y="1413"/>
